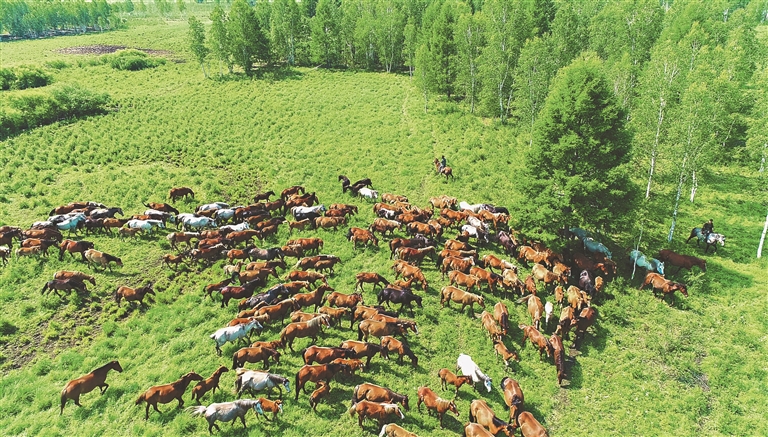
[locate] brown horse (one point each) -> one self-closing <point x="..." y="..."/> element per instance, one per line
<point x="365" y="349"/>
<point x="324" y="355"/>
<point x="344" y="300"/>
<point x="501" y="349"/>
<point x="180" y="192"/>
<point x="279" y="310"/>
<point x="67" y="285"/>
<point x="537" y="339"/>
<point x="559" y="353"/>
<point x="379" y="329"/>
<point x="87" y="383"/>
<point x="535" y="308"/>
<point x="400" y="348"/>
<point x="529" y="426"/>
<point x="133" y="295"/>
<point x="312" y="298"/>
<point x="311" y="329"/>
<point x="448" y="377"/>
<point x="394" y="430"/>
<point x="164" y="394"/>
<point x="373" y="410"/>
<point x="476" y="430"/>
<point x="254" y="355"/>
<point x="450" y="293"/>
<point x="321" y="372"/>
<point x="445" y="171"/>
<point x="375" y="393"/>
<point x="469" y="281"/>
<point x="73" y="274"/>
<point x="435" y="403"/>
<point x="501" y="315"/>
<point x="667" y="287"/>
<point x="74" y="247"/>
<point x="363" y="236"/>
<point x="513" y="397"/>
<point x="584" y="320"/>
<point x="309" y="276"/>
<point x="682" y="261"/>
<point x="323" y="390"/>
<point x="210" y="288"/>
<point x="490" y="326"/>
<point x="206" y="385"/>
<point x="481" y="413"/>
<point x="103" y="259"/>
<point x="541" y="274"/>
<point x="335" y="313"/>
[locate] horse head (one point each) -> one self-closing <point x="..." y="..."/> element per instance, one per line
<point x="682" y="287"/>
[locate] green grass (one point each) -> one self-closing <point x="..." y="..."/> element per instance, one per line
<point x="646" y="369"/>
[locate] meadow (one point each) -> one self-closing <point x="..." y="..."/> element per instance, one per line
<point x="647" y="368"/>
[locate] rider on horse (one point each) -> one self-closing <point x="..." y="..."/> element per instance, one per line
<point x="707" y="228"/>
<point x="442" y="164"/>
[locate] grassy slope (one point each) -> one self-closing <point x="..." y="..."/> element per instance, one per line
<point x="648" y="369"/>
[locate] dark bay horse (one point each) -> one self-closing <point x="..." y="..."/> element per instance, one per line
<point x="87" y="383"/>
<point x="445" y="171"/>
<point x="164" y="394"/>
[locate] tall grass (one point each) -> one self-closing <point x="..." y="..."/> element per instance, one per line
<point x="647" y="368"/>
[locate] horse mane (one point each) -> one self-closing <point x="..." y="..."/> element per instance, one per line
<point x="315" y="321"/>
<point x="443" y="404"/>
<point x="276" y="378"/>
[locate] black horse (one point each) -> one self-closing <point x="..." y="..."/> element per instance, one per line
<point x="266" y="254"/>
<point x="507" y="242"/>
<point x="344" y="183"/>
<point x="269" y="297"/>
<point x="395" y="295"/>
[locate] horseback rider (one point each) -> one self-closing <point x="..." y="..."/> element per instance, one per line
<point x="707" y="228"/>
<point x="442" y="164"/>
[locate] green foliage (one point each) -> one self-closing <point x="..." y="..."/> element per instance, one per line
<point x="577" y="170"/>
<point x="131" y="60"/>
<point x="23" y="77"/>
<point x="32" y="19"/>
<point x="325" y="42"/>
<point x="196" y="36"/>
<point x="246" y="39"/>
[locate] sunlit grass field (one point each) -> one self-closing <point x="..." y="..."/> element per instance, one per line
<point x="694" y="368"/>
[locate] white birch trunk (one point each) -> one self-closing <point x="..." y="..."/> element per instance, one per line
<point x="762" y="161"/>
<point x="677" y="200"/>
<point x="662" y="103"/>
<point x="694" y="185"/>
<point x="762" y="238"/>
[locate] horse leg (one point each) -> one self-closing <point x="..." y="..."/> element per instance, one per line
<point x="104" y="387"/>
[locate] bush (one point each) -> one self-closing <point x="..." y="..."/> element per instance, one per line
<point x="132" y="60"/>
<point x="57" y="65"/>
<point x="7" y="78"/>
<point x="31" y="77"/>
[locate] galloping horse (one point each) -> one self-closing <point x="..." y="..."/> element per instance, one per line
<point x="710" y="239"/>
<point x="446" y="171"/>
<point x="73" y="247"/>
<point x="102" y="258"/>
<point x="226" y="412"/>
<point x="211" y="383"/>
<point x="256" y="380"/>
<point x="311" y="329"/>
<point x="87" y="383"/>
<point x="57" y="285"/>
<point x="164" y="394"/>
<point x="132" y="295"/>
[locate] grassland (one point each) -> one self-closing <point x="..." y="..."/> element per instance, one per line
<point x="694" y="368"/>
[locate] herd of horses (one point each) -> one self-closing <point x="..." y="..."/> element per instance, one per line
<point x="574" y="280"/>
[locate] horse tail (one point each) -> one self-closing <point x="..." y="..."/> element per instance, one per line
<point x="234" y="360"/>
<point x="471" y="416"/>
<point x="45" y="287"/>
<point x="354" y="395"/>
<point x="383" y="431"/>
<point x="141" y="398"/>
<point x="197" y="410"/>
<point x="351" y="410"/>
<point x="63" y="400"/>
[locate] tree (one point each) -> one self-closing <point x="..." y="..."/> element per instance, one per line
<point x="577" y="169"/>
<point x="196" y="37"/>
<point x="439" y="59"/>
<point x="285" y="25"/>
<point x="247" y="41"/>
<point x="219" y="38"/>
<point x="410" y="44"/>
<point x="470" y="40"/>
<point x="181" y="6"/>
<point x="325" y="43"/>
<point x="390" y="33"/>
<point x="536" y="67"/>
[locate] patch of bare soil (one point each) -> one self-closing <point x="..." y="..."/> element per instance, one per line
<point x="100" y="49"/>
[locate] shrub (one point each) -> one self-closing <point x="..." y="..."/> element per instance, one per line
<point x="7" y="78"/>
<point x="132" y="60"/>
<point x="31" y="77"/>
<point x="57" y="65"/>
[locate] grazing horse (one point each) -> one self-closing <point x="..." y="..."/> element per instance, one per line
<point x="87" y="383"/>
<point x="164" y="394"/>
<point x="373" y="410"/>
<point x="370" y="278"/>
<point x="481" y="413"/>
<point x="133" y="295"/>
<point x="101" y="258"/>
<point x="559" y="353"/>
<point x="312" y="298"/>
<point x="448" y="377"/>
<point x="180" y="192"/>
<point x="513" y="397"/>
<point x="325" y="355"/>
<point x="73" y="247"/>
<point x="376" y="393"/>
<point x="320" y="372"/>
<point x="379" y="329"/>
<point x="257" y="380"/>
<point x="206" y="385"/>
<point x="445" y="171"/>
<point x="310" y="329"/>
<point x="394" y="430"/>
<point x="682" y="261"/>
<point x="529" y="426"/>
<point x="472" y="429"/>
<point x="541" y="274"/>
<point x="226" y="412"/>
<point x="666" y="286"/>
<point x="535" y="308"/>
<point x="436" y="403"/>
<point x="501" y="315"/>
<point x="365" y="349"/>
<point x="710" y="239"/>
<point x="323" y="390"/>
<point x="537" y="339"/>
<point x="450" y="293"/>
<point x="501" y="349"/>
<point x="400" y="348"/>
<point x="232" y="333"/>
<point x="467" y="366"/>
<point x="650" y="265"/>
<point x="490" y="326"/>
<point x="57" y="285"/>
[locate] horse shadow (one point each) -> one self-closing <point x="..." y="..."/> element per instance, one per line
<point x="574" y="374"/>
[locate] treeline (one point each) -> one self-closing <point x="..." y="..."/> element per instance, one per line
<point x="32" y="19"/>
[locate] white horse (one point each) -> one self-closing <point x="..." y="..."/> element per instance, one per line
<point x="232" y="333"/>
<point x="212" y="206"/>
<point x="468" y="368"/>
<point x="307" y="209"/>
<point x="474" y="232"/>
<point x="224" y="214"/>
<point x="476" y="222"/>
<point x="197" y="222"/>
<point x="235" y="228"/>
<point x="548" y="308"/>
<point x="145" y="225"/>
<point x="474" y="208"/>
<point x="226" y="411"/>
<point x="368" y="193"/>
<point x="257" y="380"/>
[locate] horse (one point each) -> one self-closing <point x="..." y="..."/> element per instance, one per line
<point x="436" y="403"/>
<point x="379" y="329"/>
<point x="682" y="261"/>
<point x="266" y="254"/>
<point x="6" y="238"/>
<point x="263" y="196"/>
<point x="394" y="430"/>
<point x="323" y="390"/>
<point x="650" y="265"/>
<point x="364" y="236"/>
<point x="448" y="377"/>
<point x="161" y="207"/>
<point x="208" y="384"/>
<point x="450" y="293"/>
<point x="467" y="366"/>
<point x="320" y="372"/>
<point x="403" y="297"/>
<point x="373" y="410"/>
<point x="710" y="239"/>
<point x="57" y="285"/>
<point x="370" y="278"/>
<point x="376" y="393"/>
<point x="541" y="274"/>
<point x="87" y="383"/>
<point x="481" y="413"/>
<point x="101" y="258"/>
<point x="232" y="333"/>
<point x="311" y="329"/>
<point x="342" y="300"/>
<point x="478" y="233"/>
<point x="365" y="349"/>
<point x="535" y="308"/>
<point x="180" y="193"/>
<point x="494" y="331"/>
<point x="197" y="223"/>
<point x="587" y="282"/>
<point x="529" y="426"/>
<point x="666" y="286"/>
<point x="559" y="355"/>
<point x="513" y="397"/>
<point x="324" y="355"/>
<point x="584" y="320"/>
<point x="253" y="355"/>
<point x="345" y="183"/>
<point x="73" y="247"/>
<point x="72" y="224"/>
<point x="132" y="295"/>
<point x="368" y="193"/>
<point x="164" y="394"/>
<point x="226" y="412"/>
<point x="445" y="171"/>
<point x="537" y="339"/>
<point x="312" y="298"/>
<point x="402" y="349"/>
<point x="501" y="315"/>
<point x="80" y="276"/>
<point x="268" y="406"/>
<point x="501" y="349"/>
<point x="257" y="380"/>
<point x="593" y="246"/>
<point x="105" y="212"/>
<point x="472" y="429"/>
